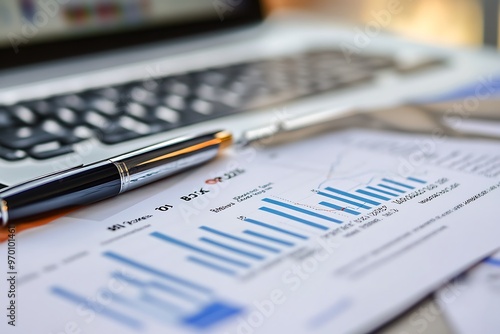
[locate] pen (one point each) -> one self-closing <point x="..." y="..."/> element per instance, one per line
<point x="87" y="184"/>
<point x="293" y="129"/>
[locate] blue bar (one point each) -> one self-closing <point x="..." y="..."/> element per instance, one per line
<point x="147" y="304"/>
<point x="245" y="241"/>
<point x="382" y="191"/>
<point x="211" y="314"/>
<point x="156" y="303"/>
<point x="356" y="204"/>
<point x="97" y="307"/>
<point x="174" y="291"/>
<point x="391" y="188"/>
<point x="145" y="299"/>
<point x="211" y="265"/>
<point x="156" y="272"/>
<point x="129" y="280"/>
<point x="416" y="180"/>
<point x="398" y="184"/>
<point x="274" y="228"/>
<point x="300" y="220"/>
<point x="336" y="207"/>
<point x="359" y="198"/>
<point x="307" y="212"/>
<point x="265" y="237"/>
<point x="233" y="249"/>
<point x="492" y="261"/>
<point x="157" y="285"/>
<point x="150" y="306"/>
<point x="176" y="242"/>
<point x="367" y="193"/>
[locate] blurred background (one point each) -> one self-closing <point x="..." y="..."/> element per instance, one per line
<point x="458" y="22"/>
<point x="445" y="22"/>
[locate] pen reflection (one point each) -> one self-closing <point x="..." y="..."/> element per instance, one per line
<point x="194" y="148"/>
<point x="4" y="234"/>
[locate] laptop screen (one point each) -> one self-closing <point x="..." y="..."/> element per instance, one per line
<point x="40" y="30"/>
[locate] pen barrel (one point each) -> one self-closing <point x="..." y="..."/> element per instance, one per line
<point x="88" y="184"/>
<point x="171" y="157"/>
<point x="72" y="188"/>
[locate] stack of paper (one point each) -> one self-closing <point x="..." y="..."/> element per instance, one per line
<point x="337" y="233"/>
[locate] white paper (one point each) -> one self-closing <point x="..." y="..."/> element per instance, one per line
<point x="333" y="234"/>
<point x="472" y="301"/>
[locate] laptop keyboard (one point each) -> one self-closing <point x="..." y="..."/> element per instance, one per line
<point x="49" y="127"/>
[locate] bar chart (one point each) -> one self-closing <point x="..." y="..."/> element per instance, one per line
<point x="283" y="225"/>
<point x="277" y="226"/>
<point x="166" y="297"/>
<point x="367" y="197"/>
<point x="333" y="205"/>
<point x="234" y="253"/>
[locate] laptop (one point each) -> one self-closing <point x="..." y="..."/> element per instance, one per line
<point x="82" y="81"/>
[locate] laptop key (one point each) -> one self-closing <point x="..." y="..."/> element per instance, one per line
<point x="25" y="137"/>
<point x="114" y="132"/>
<point x="24" y="114"/>
<point x="82" y="132"/>
<point x="96" y="120"/>
<point x="118" y="136"/>
<point x="54" y="127"/>
<point x="178" y="88"/>
<point x="202" y="107"/>
<point x="76" y="135"/>
<point x="11" y="154"/>
<point x="167" y="115"/>
<point x="143" y="96"/>
<point x="49" y="150"/>
<point x="73" y="101"/>
<point x="144" y="115"/>
<point x="213" y="77"/>
<point x="137" y="110"/>
<point x="175" y="102"/>
<point x="68" y="116"/>
<point x="131" y="124"/>
<point x="104" y="106"/>
<point x="6" y="119"/>
<point x="207" y="92"/>
<point x="43" y="108"/>
<point x="67" y="136"/>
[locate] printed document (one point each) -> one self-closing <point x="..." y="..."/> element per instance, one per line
<point x="333" y="234"/>
<point x="471" y="301"/>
